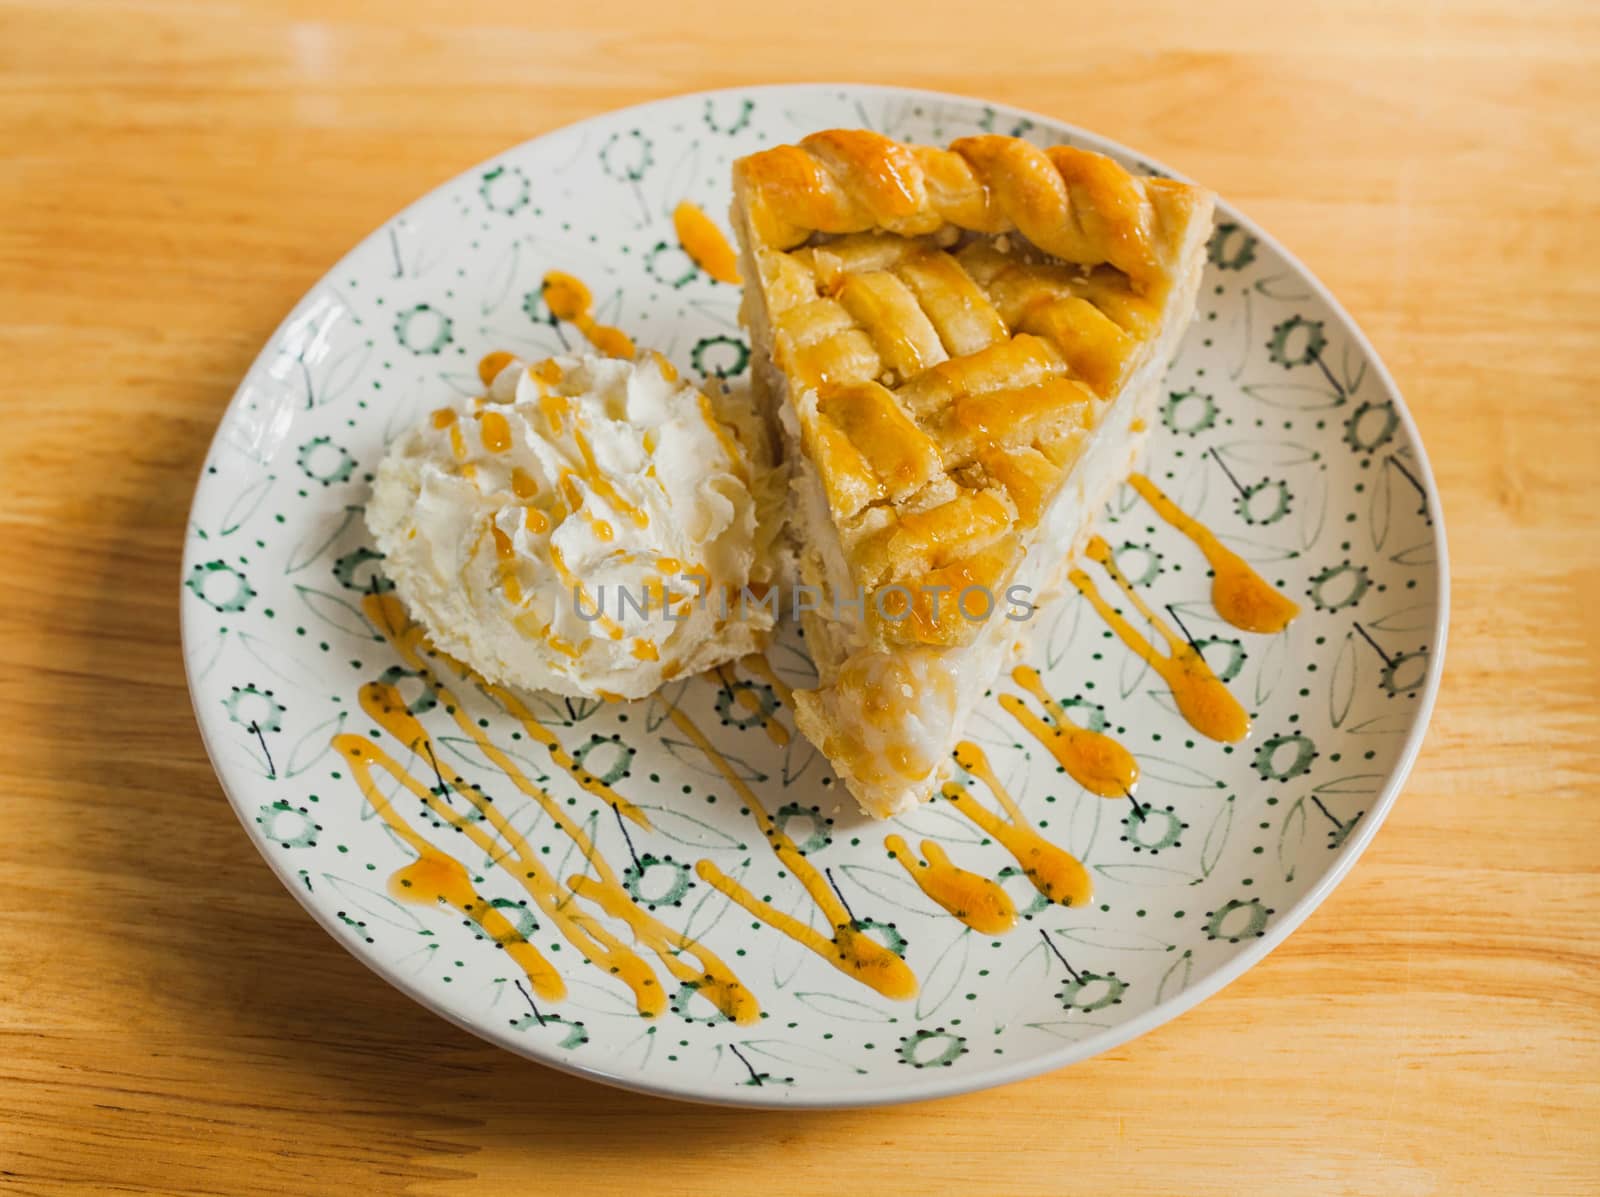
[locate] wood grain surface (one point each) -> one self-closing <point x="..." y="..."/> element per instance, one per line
<point x="175" y="175"/>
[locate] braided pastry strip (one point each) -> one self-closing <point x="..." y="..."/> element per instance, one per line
<point x="1075" y="205"/>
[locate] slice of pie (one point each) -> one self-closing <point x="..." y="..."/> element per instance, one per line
<point x="961" y="350"/>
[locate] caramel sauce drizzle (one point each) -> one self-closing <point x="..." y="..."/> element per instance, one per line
<point x="976" y="900"/>
<point x="703" y="241"/>
<point x="757" y="664"/>
<point x="553" y="405"/>
<point x="746" y="698"/>
<point x="436" y="876"/>
<point x="496" y="432"/>
<point x="1092" y="759"/>
<point x="1241" y="596"/>
<point x="575" y="587"/>
<point x="523" y="484"/>
<point x="568" y="299"/>
<point x="1055" y="873"/>
<point x="724" y="438"/>
<point x="594" y="478"/>
<point x="490" y="365"/>
<point x="670" y="373"/>
<point x="849" y="949"/>
<point x="506" y="565"/>
<point x="556" y="407"/>
<point x="1201" y="697"/>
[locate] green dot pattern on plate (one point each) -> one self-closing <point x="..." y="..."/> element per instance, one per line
<point x="1274" y="427"/>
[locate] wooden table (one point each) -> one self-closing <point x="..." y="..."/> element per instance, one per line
<point x="176" y="174"/>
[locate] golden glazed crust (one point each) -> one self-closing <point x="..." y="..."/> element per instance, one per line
<point x="937" y="374"/>
<point x="941" y="332"/>
<point x="1075" y="205"/>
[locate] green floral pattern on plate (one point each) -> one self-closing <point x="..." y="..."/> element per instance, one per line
<point x="1279" y="429"/>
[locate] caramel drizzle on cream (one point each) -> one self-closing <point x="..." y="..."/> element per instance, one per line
<point x="494" y="430"/>
<point x="1241" y="596"/>
<point x="506" y="566"/>
<point x="730" y="447"/>
<point x="1201" y="697"/>
<point x="594" y="478"/>
<point x="703" y="241"/>
<point x="575" y="587"/>
<point x="490" y="365"/>
<point x="1055" y="872"/>
<point x="570" y="300"/>
<point x="436" y="876"/>
<point x="849" y="949"/>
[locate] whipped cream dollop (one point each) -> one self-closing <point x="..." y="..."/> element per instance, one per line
<point x="591" y="526"/>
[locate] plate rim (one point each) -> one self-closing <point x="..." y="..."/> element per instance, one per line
<point x="902" y="1092"/>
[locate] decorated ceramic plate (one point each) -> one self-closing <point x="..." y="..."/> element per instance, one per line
<point x="587" y="932"/>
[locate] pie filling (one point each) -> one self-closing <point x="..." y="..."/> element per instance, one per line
<point x="961" y="351"/>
